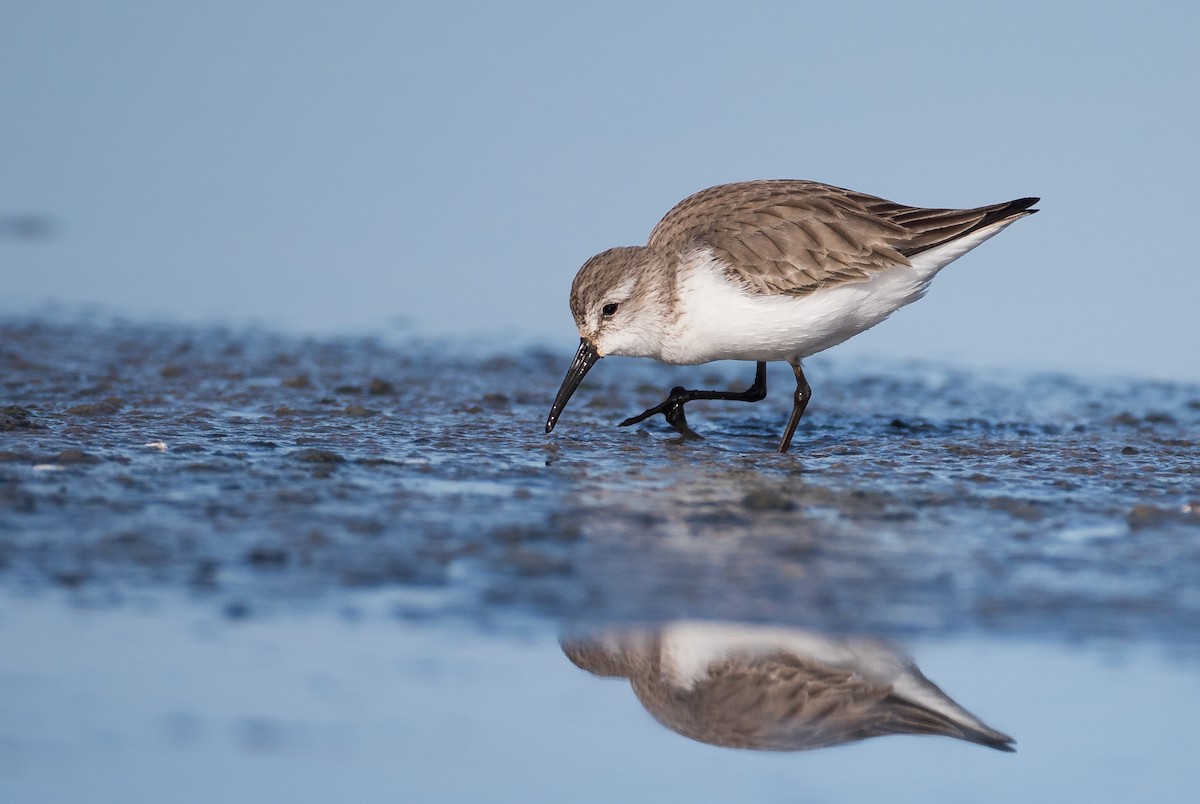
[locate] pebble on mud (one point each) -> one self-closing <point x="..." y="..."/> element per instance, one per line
<point x="106" y="408"/>
<point x="380" y="387"/>
<point x="72" y="456"/>
<point x="13" y="417"/>
<point x="1148" y="516"/>
<point x="1026" y="510"/>
<point x="764" y="499"/>
<point x="317" y="456"/>
<point x="359" y="411"/>
<point x="1144" y="515"/>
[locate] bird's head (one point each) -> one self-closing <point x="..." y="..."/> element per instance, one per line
<point x="617" y="300"/>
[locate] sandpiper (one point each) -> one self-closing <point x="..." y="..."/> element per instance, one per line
<point x="763" y="270"/>
<point x="775" y="689"/>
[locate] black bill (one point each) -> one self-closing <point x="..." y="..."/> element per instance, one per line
<point x="585" y="358"/>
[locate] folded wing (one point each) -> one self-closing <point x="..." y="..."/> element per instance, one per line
<point x="795" y="237"/>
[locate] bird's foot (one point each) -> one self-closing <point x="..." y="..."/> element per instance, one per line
<point x="672" y="410"/>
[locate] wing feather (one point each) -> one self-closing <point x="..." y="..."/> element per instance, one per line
<point x="781" y="702"/>
<point x="792" y="237"/>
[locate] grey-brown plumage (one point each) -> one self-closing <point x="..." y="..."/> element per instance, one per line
<point x="794" y="237"/>
<point x="773" y="270"/>
<point x="778" y="690"/>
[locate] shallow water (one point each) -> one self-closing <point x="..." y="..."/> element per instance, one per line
<point x="286" y="567"/>
<point x="172" y="701"/>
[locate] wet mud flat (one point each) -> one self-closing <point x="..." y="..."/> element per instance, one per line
<point x="260" y="470"/>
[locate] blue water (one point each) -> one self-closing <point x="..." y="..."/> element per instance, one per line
<point x="166" y="700"/>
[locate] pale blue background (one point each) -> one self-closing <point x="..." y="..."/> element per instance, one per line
<point x="347" y="166"/>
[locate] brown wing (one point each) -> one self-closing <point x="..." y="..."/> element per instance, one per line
<point x="794" y="237"/>
<point x="780" y="702"/>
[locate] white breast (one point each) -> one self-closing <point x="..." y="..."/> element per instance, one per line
<point x="719" y="320"/>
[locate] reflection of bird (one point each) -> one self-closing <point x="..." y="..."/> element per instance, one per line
<point x="776" y="689"/>
<point x="762" y="271"/>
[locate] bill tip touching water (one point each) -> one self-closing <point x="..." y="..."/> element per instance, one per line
<point x="773" y="270"/>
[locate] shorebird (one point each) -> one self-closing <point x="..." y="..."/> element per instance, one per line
<point x="775" y="689"/>
<point x="763" y="271"/>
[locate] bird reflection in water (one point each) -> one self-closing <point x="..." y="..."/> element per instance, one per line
<point x="775" y="689"/>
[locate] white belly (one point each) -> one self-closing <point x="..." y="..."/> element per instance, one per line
<point x="718" y="320"/>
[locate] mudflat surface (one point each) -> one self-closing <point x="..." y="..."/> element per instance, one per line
<point x="254" y="470"/>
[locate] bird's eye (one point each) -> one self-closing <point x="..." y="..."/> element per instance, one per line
<point x="609" y="310"/>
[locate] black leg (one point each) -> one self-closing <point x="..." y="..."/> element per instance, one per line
<point x="672" y="407"/>
<point x="799" y="403"/>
